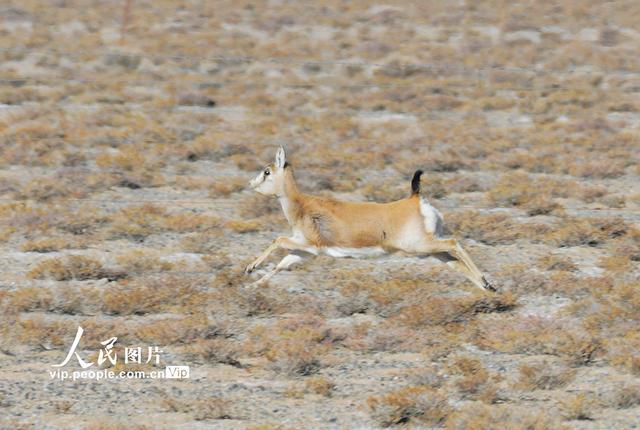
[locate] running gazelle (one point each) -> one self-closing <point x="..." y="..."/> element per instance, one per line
<point x="357" y="229"/>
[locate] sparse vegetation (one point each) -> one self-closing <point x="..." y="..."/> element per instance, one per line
<point x="125" y="153"/>
<point x="71" y="267"/>
<point x="410" y="404"/>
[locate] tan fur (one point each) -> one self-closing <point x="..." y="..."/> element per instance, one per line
<point x="326" y="222"/>
<point x="341" y="228"/>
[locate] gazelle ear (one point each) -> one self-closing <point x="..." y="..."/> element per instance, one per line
<point x="280" y="158"/>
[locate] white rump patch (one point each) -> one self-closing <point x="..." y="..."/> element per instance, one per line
<point x="340" y="252"/>
<point x="433" y="221"/>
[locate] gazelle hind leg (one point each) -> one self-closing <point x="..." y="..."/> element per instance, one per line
<point x="461" y="268"/>
<point x="453" y="248"/>
<point x="466" y="259"/>
<point x="284" y="264"/>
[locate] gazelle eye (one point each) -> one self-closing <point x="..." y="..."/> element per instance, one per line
<point x="267" y="172"/>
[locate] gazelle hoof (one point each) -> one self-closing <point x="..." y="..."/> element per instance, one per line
<point x="487" y="286"/>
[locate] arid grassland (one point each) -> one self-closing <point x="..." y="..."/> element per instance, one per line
<point x="127" y="140"/>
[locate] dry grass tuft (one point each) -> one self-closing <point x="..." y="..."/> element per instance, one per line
<point x="215" y="408"/>
<point x="71" y="267"/>
<point x="320" y="385"/>
<point x="544" y="376"/>
<point x="413" y="404"/>
<point x="45" y="245"/>
<point x="446" y="310"/>
<point x="478" y="416"/>
<point x="216" y="350"/>
<point x="293" y="347"/>
<point x="242" y="226"/>
<point x="152" y="295"/>
<point x="492" y="229"/>
<point x="474" y="380"/>
<point x="578" y="407"/>
<point x="138" y="222"/>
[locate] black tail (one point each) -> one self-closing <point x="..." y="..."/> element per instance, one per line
<point x="415" y="183"/>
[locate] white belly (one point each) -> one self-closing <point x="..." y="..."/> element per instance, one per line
<point x="365" y="252"/>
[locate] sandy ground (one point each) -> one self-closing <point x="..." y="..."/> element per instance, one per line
<point x="133" y="150"/>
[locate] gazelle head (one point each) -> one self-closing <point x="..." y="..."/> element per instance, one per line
<point x="270" y="180"/>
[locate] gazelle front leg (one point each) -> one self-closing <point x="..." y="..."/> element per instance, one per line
<point x="258" y="261"/>
<point x="284" y="264"/>
<point x="281" y="242"/>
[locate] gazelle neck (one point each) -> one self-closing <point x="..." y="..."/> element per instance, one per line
<point x="289" y="200"/>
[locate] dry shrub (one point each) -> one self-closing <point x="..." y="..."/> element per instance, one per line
<point x="39" y="332"/>
<point x="541" y="205"/>
<point x="384" y="190"/>
<point x="230" y="292"/>
<point x="108" y="423"/>
<point x="188" y="222"/>
<point x="386" y="337"/>
<point x="473" y="380"/>
<point x="216" y="350"/>
<point x="67" y="300"/>
<point x="600" y="169"/>
<point x="259" y="212"/>
<point x="590" y="232"/>
<point x="127" y="158"/>
<point x="203" y="243"/>
<point x="80" y="222"/>
<point x="623" y="349"/>
<point x="296" y="352"/>
<point x="244" y="226"/>
<point x="544" y="376"/>
<point x="30" y="298"/>
<point x="629" y="245"/>
<point x="77" y="300"/>
<point x="213" y="408"/>
<point x="415" y="404"/>
<point x="448" y="160"/>
<point x="72" y="267"/>
<point x="626" y="397"/>
<point x="169" y="331"/>
<point x="229" y="278"/>
<point x="591" y="193"/>
<point x="492" y="229"/>
<point x="479" y="416"/>
<point x="557" y="262"/>
<point x="268" y="426"/>
<point x="246" y="161"/>
<point x="384" y="297"/>
<point x="62" y="406"/>
<point x="616" y="264"/>
<point x="320" y="385"/>
<point x="513" y="189"/>
<point x="536" y="335"/>
<point x="446" y="310"/>
<point x="533" y="195"/>
<point x="293" y="347"/>
<point x="45" y="245"/>
<point x="611" y="311"/>
<point x="138" y="222"/>
<point x="152" y="295"/>
<point x="577" y="406"/>
<point x="44" y="189"/>
<point x="143" y="260"/>
<point x="223" y="188"/>
<point x="257" y="205"/>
